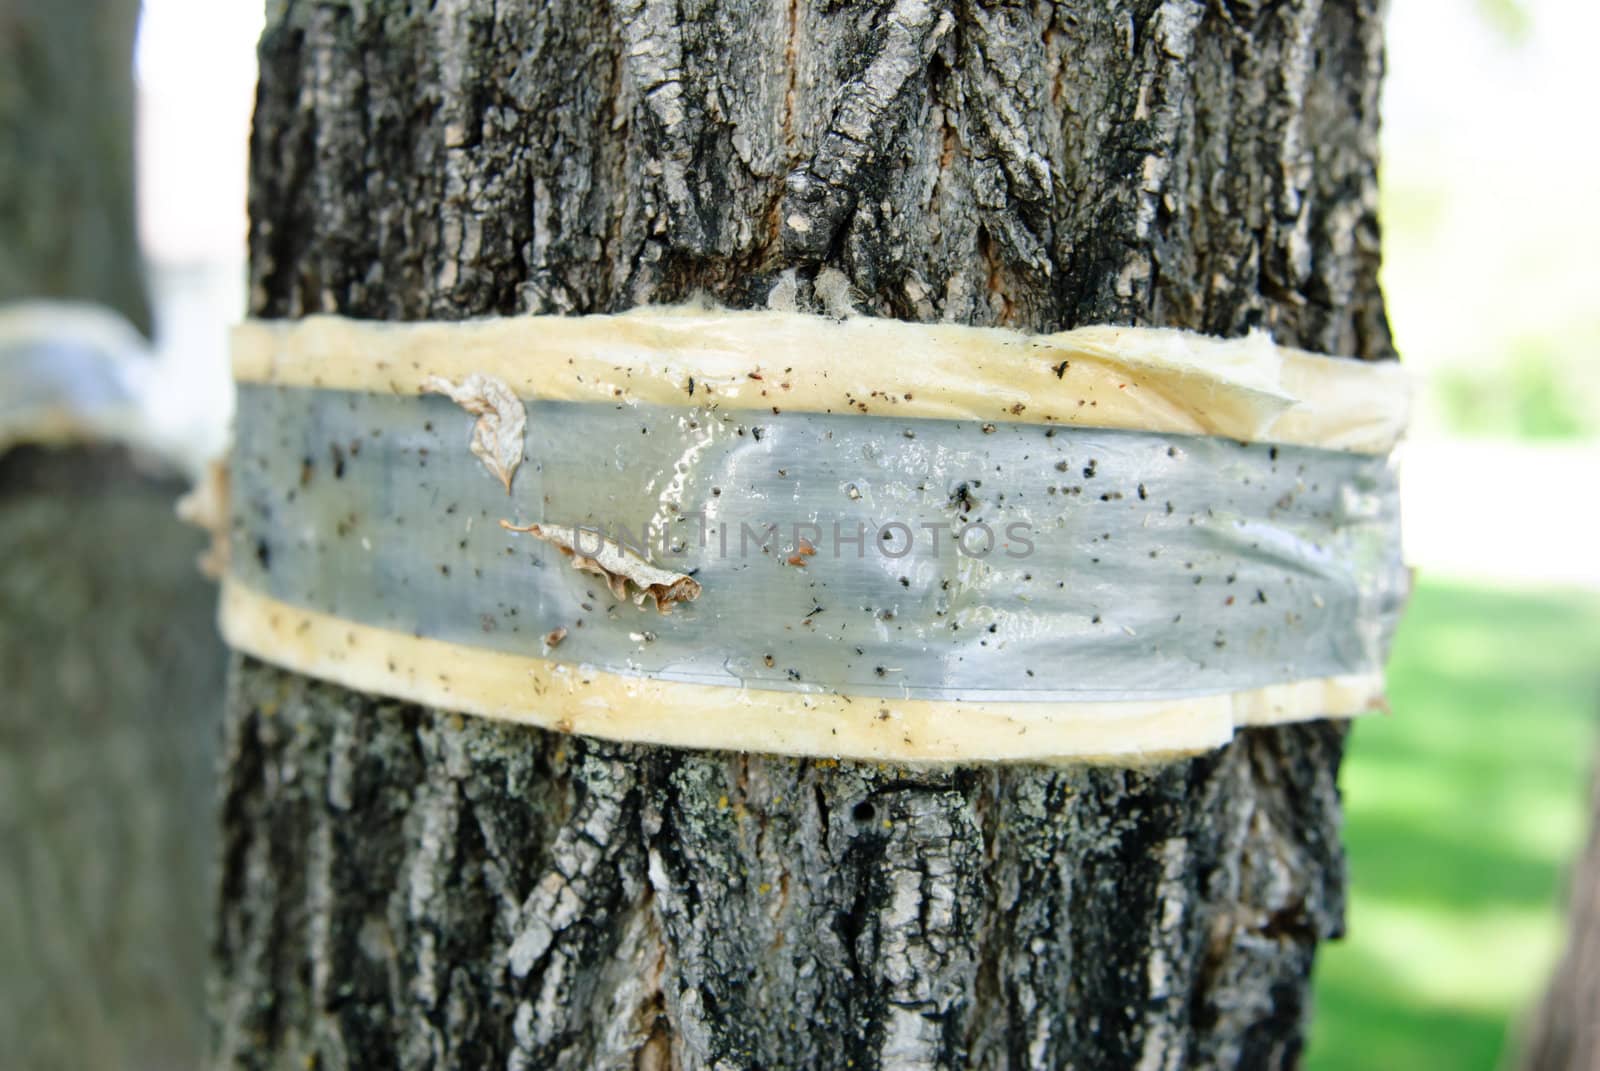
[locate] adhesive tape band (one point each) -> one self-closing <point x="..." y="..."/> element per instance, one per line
<point x="69" y="374"/>
<point x="853" y="559"/>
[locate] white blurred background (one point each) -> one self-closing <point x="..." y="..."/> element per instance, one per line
<point x="195" y="66"/>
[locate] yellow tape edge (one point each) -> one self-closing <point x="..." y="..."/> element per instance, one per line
<point x="1107" y="377"/>
<point x="567" y="698"/>
<point x="55" y="426"/>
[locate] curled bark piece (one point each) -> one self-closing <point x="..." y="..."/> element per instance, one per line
<point x="498" y="435"/>
<point x="616" y="565"/>
<point x="205" y="506"/>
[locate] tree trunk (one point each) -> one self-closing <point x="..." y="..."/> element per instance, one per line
<point x="406" y="887"/>
<point x="111" y="671"/>
<point x="1564" y="1035"/>
<point x="67" y="227"/>
<point x="110" y="667"/>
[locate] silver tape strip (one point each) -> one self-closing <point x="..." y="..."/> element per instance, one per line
<point x="69" y="372"/>
<point x="1117" y="565"/>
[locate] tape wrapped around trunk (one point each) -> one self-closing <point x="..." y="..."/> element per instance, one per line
<point x="70" y="373"/>
<point x="1108" y="543"/>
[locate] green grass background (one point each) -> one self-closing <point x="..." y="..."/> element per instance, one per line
<point x="1464" y="810"/>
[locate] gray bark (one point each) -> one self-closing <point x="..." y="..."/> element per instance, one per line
<point x="404" y="887"/>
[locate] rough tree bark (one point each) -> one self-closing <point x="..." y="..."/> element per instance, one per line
<point x="109" y="660"/>
<point x="404" y="887"/>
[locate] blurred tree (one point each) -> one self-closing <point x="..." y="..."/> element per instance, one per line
<point x="1565" y="1030"/>
<point x="67" y="228"/>
<point x="109" y="662"/>
<point x="109" y="665"/>
<point x="407" y="888"/>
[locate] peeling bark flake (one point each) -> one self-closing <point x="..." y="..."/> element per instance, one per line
<point x="205" y="506"/>
<point x="616" y="565"/>
<point x="497" y="437"/>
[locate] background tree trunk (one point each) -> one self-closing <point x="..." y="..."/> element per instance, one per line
<point x="110" y="667"/>
<point x="405" y="887"/>
<point x="1564" y="1034"/>
<point x="67" y="227"/>
<point x="111" y="670"/>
